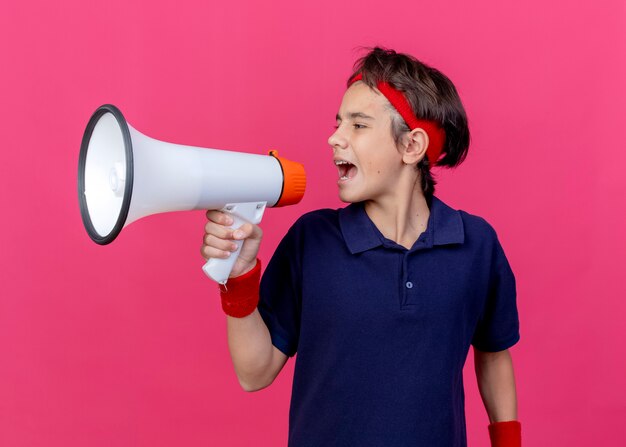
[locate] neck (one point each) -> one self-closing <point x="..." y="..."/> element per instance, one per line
<point x="401" y="218"/>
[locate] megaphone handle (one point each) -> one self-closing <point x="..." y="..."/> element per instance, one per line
<point x="219" y="269"/>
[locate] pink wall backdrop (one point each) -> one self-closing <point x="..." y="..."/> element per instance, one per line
<point x="125" y="345"/>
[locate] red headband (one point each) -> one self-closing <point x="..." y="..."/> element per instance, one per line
<point x="436" y="134"/>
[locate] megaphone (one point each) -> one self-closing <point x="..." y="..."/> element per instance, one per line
<point x="124" y="175"/>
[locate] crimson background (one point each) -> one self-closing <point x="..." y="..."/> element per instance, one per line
<point x="125" y="345"/>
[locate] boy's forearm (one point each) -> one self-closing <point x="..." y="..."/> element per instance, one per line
<point x="251" y="350"/>
<point x="249" y="340"/>
<point x="496" y="383"/>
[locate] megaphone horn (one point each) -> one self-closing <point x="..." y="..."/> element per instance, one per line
<point x="124" y="175"/>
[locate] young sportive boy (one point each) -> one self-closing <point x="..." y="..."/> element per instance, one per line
<point x="380" y="299"/>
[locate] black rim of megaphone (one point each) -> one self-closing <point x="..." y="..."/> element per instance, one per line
<point x="128" y="189"/>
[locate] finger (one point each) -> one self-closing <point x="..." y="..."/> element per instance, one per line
<point x="211" y="252"/>
<point x="221" y="244"/>
<point x="219" y="217"/>
<point x="248" y="230"/>
<point x="218" y="230"/>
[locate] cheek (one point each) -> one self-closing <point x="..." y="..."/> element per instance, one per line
<point x="378" y="157"/>
<point x="378" y="169"/>
<point x="385" y="158"/>
<point x="382" y="164"/>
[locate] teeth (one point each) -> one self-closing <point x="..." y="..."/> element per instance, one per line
<point x="345" y="177"/>
<point x="342" y="162"/>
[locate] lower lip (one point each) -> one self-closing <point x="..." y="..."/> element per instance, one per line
<point x="343" y="181"/>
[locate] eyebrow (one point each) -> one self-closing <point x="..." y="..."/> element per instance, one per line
<point x="354" y="115"/>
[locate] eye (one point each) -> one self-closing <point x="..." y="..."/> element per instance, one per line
<point x="359" y="126"/>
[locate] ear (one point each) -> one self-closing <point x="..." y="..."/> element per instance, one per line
<point x="415" y="148"/>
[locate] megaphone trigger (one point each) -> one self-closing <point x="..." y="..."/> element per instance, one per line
<point x="219" y="269"/>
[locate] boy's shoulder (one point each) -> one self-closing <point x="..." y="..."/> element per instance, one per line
<point x="317" y="217"/>
<point x="480" y="234"/>
<point x="474" y="226"/>
<point x="313" y="224"/>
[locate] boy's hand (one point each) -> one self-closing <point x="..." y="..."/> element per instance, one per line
<point x="218" y="241"/>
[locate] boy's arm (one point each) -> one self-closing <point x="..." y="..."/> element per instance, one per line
<point x="496" y="383"/>
<point x="257" y="362"/>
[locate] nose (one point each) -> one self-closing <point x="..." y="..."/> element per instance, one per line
<point x="337" y="140"/>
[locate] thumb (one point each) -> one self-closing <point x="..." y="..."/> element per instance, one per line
<point x="248" y="230"/>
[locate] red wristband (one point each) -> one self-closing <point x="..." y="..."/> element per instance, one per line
<point x="505" y="434"/>
<point x="240" y="296"/>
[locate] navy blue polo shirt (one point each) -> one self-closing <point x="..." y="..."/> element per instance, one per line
<point x="382" y="332"/>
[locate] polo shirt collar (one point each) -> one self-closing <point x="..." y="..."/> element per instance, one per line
<point x="445" y="226"/>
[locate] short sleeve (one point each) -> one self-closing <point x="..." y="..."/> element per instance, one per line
<point x="498" y="326"/>
<point x="280" y="294"/>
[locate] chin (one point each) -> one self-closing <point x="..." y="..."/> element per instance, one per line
<point x="347" y="200"/>
<point x="347" y="197"/>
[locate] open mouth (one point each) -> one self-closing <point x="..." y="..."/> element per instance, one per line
<point x="346" y="170"/>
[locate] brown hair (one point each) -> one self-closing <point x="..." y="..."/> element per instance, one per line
<point x="432" y="96"/>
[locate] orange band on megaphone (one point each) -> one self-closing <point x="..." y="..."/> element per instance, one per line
<point x="294" y="181"/>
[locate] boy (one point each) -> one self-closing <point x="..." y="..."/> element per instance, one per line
<point x="380" y="299"/>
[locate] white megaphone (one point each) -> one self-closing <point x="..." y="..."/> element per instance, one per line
<point x="124" y="175"/>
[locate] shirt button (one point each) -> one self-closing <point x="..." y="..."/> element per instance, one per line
<point x="409" y="285"/>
